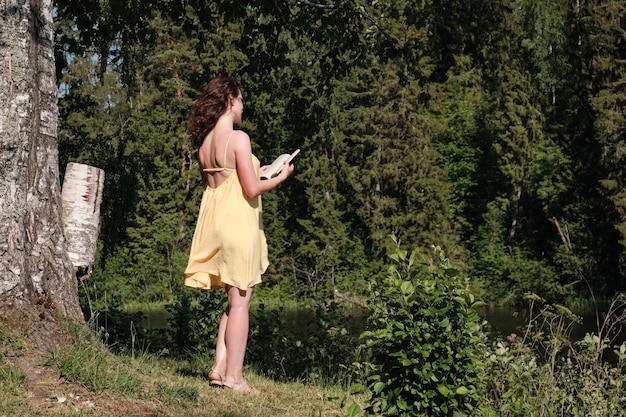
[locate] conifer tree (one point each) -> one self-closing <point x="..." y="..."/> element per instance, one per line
<point x="504" y="116"/>
<point x="601" y="51"/>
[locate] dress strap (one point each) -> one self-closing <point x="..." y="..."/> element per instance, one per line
<point x="226" y="147"/>
<point x="219" y="169"/>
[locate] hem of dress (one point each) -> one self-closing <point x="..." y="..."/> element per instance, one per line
<point x="194" y="283"/>
<point x="207" y="282"/>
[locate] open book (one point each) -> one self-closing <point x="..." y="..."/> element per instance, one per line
<point x="278" y="165"/>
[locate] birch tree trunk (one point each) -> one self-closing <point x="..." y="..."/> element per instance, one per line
<point x="81" y="198"/>
<point x="37" y="282"/>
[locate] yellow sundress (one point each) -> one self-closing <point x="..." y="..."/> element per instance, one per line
<point x="228" y="246"/>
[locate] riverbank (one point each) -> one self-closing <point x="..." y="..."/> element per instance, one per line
<point x="33" y="384"/>
<point x="86" y="379"/>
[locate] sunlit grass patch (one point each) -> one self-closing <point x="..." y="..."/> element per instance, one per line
<point x="11" y="390"/>
<point x="88" y="361"/>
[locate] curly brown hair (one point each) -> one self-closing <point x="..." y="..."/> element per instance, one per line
<point x="210" y="106"/>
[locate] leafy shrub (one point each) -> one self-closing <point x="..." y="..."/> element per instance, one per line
<point x="541" y="372"/>
<point x="195" y="324"/>
<point x="267" y="344"/>
<point x="317" y="348"/>
<point x="423" y="338"/>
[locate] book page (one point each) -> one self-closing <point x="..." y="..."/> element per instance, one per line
<point x="278" y="165"/>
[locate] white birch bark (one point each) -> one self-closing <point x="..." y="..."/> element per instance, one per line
<point x="36" y="276"/>
<point x="81" y="198"/>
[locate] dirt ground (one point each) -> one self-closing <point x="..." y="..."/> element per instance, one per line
<point x="44" y="392"/>
<point x="48" y="394"/>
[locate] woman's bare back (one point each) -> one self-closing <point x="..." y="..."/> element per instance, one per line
<point x="216" y="156"/>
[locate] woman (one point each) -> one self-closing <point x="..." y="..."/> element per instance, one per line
<point x="228" y="248"/>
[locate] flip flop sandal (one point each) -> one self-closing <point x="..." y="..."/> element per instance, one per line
<point x="216" y="382"/>
<point x="244" y="387"/>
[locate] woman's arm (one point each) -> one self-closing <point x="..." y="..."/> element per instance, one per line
<point x="252" y="185"/>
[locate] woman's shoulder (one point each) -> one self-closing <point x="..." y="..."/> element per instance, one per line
<point x="239" y="139"/>
<point x="240" y="135"/>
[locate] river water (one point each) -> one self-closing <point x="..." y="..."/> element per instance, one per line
<point x="502" y="321"/>
<point x="506" y="320"/>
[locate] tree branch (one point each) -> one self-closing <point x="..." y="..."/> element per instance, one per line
<point x="325" y="6"/>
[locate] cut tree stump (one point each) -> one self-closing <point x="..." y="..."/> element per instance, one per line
<point x="81" y="197"/>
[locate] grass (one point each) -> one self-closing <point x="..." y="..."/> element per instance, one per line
<point x="11" y="392"/>
<point x="163" y="391"/>
<point x="520" y="376"/>
<point x="88" y="380"/>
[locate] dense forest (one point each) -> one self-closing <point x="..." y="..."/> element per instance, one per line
<point x="495" y="129"/>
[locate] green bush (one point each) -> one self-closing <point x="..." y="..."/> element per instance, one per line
<point x="194" y="323"/>
<point x="317" y="349"/>
<point x="424" y="338"/>
<point x="542" y="372"/>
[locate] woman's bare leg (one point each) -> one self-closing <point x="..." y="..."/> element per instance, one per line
<point x="219" y="367"/>
<point x="236" y="333"/>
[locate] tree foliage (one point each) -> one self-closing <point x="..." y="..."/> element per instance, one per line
<point x="494" y="129"/>
<point x="424" y="341"/>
